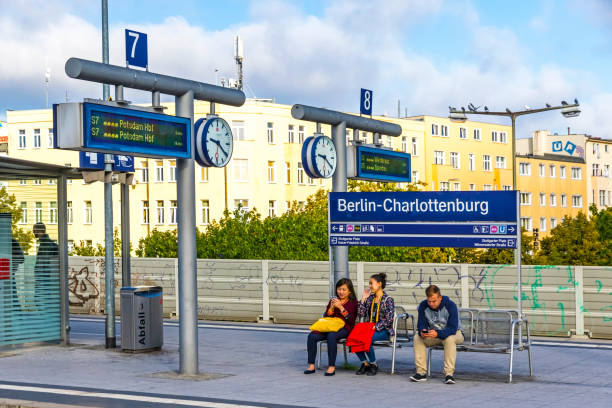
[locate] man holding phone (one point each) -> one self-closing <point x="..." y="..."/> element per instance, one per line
<point x="438" y="323"/>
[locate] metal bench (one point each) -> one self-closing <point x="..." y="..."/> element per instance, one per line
<point x="404" y="334"/>
<point x="492" y="331"/>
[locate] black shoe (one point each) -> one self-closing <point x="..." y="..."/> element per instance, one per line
<point x="449" y="380"/>
<point x="418" y="377"/>
<point x="309" y="371"/>
<point x="330" y="374"/>
<point x="363" y="369"/>
<point x="373" y="369"/>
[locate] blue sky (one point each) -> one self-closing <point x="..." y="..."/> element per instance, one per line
<point x="429" y="54"/>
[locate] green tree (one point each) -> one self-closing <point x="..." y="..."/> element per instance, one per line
<point x="84" y="249"/>
<point x="8" y="204"/>
<point x="575" y="241"/>
<point x="603" y="224"/>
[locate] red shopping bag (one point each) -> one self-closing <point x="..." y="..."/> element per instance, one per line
<point x="360" y="338"/>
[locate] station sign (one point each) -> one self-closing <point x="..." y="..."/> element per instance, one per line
<point x="112" y="129"/>
<point x="474" y="219"/>
<point x="95" y="161"/>
<point x="376" y="164"/>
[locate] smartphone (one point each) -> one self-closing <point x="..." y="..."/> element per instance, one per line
<point x="425" y="331"/>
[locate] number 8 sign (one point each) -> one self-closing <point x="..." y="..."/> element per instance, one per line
<point x="365" y="107"/>
<point x="136" y="49"/>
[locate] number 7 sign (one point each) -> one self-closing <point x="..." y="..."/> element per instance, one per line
<point x="136" y="49"/>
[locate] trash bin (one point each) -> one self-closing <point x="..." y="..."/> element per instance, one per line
<point x="141" y="318"/>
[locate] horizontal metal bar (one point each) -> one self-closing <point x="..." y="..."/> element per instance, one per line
<point x="147" y="81"/>
<point x="330" y="117"/>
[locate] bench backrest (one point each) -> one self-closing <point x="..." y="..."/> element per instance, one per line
<point x="494" y="327"/>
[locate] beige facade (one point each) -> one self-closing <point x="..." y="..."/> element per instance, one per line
<point x="265" y="170"/>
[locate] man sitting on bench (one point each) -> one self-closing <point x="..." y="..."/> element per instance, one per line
<point x="438" y="323"/>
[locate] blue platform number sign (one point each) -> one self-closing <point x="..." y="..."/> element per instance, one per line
<point x="365" y="107"/>
<point x="136" y="49"/>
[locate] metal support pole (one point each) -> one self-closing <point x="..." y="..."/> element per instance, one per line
<point x="118" y="93"/>
<point x="519" y="267"/>
<point x="105" y="87"/>
<point x="376" y="139"/>
<point x="109" y="256"/>
<point x="339" y="184"/>
<point x="514" y="185"/>
<point x="62" y="241"/>
<point x="126" y="273"/>
<point x="188" y="302"/>
<point x="355" y="136"/>
<point x="155" y="99"/>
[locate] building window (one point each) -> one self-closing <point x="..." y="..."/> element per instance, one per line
<point x="542" y="223"/>
<point x="562" y="172"/>
<point x="37" y="138"/>
<point x="439" y="157"/>
<point x="145" y="212"/>
<point x="291" y="134"/>
<point x="542" y="199"/>
<point x="486" y="162"/>
<point x="606" y="170"/>
<point x="476" y="134"/>
<point x="553" y="223"/>
<point x="526" y="223"/>
<point x="159" y="171"/>
<point x="454" y="158"/>
<point x="53" y="212"/>
<point x="301" y="134"/>
<point x="472" y="187"/>
<point x="311" y="181"/>
<point x="69" y="217"/>
<point x="50" y="138"/>
<point x="87" y="213"/>
<point x="456" y="187"/>
<point x="542" y="170"/>
<point x="22" y="182"/>
<point x="553" y="200"/>
<point x="525" y="198"/>
<point x="503" y="137"/>
<point x="576" y="173"/>
<point x="144" y="171"/>
<point x="500" y="162"/>
<point x="444" y="186"/>
<point x="487" y="187"/>
<point x="472" y="161"/>
<point x="70" y="245"/>
<point x="287" y="173"/>
<point x="415" y="176"/>
<point x="596" y="170"/>
<point x="563" y="200"/>
<point x="300" y="174"/>
<point x="22" y="139"/>
<point x="241" y="169"/>
<point x="462" y="133"/>
<point x="205" y="211"/>
<point x="173" y="211"/>
<point x="602" y="197"/>
<point x="52" y="182"/>
<point x="241" y="204"/>
<point x="238" y="130"/>
<point x="404" y="144"/>
<point x="435" y="129"/>
<point x="507" y="188"/>
<point x="272" y="208"/>
<point x="172" y="177"/>
<point x="525" y="169"/>
<point x="160" y="211"/>
<point x="37" y="182"/>
<point x="552" y="171"/>
<point x="444" y="130"/>
<point x="415" y="150"/>
<point x="24" y="212"/>
<point x="494" y="136"/>
<point x="38" y="212"/>
<point x="271" y="172"/>
<point x="204" y="174"/>
<point x="577" y="201"/>
<point x="270" y="132"/>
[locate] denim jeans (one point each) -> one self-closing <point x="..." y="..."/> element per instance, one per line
<point x="332" y="345"/>
<point x="371" y="356"/>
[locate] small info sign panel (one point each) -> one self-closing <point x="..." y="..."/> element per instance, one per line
<point x="474" y="219"/>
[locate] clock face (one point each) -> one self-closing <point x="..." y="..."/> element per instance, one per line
<point x="218" y="142"/>
<point x="324" y="156"/>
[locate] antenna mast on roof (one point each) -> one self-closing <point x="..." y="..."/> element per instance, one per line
<point x="239" y="57"/>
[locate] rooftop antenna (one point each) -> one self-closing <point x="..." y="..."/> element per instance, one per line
<point x="47" y="79"/>
<point x="239" y="57"/>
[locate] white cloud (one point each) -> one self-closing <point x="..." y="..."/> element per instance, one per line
<point x="320" y="60"/>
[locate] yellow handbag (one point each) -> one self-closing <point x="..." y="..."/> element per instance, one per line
<point x="327" y="324"/>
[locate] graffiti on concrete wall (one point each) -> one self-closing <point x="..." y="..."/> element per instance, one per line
<point x="82" y="287"/>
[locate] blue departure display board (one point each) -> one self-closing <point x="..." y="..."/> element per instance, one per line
<point x="382" y="165"/>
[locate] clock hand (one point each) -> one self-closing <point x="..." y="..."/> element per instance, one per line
<point x="215" y="141"/>
<point x="325" y="158"/>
